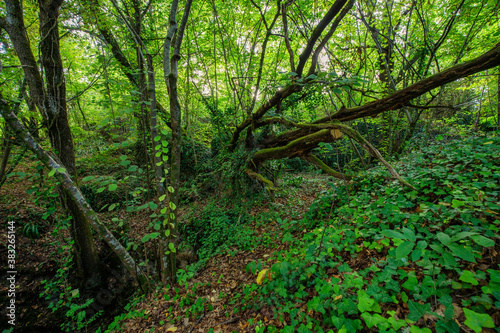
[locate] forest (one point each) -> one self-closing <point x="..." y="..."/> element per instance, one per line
<point x="250" y="166"/>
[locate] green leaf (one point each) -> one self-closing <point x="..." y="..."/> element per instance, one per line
<point x="154" y="235"/>
<point x="393" y="234"/>
<point x="462" y="252"/>
<point x="52" y="172"/>
<point x="417" y="310"/>
<point x="415" y="255"/>
<point x="172" y="205"/>
<point x="476" y="321"/>
<point x="444" y="238"/>
<point x="483" y="241"/>
<point x="416" y="329"/>
<point x="404" y="249"/>
<point x="145" y="238"/>
<point x="411" y="284"/>
<point x="152" y="205"/>
<point x="86" y="179"/>
<point x="457" y="203"/>
<point x="422" y="244"/>
<point x="468" y="277"/>
<point x="462" y="235"/>
<point x="404" y="297"/>
<point x="410" y="234"/>
<point x="171" y="247"/>
<point x="112" y="187"/>
<point x="372" y="320"/>
<point x="365" y="303"/>
<point x="449" y="260"/>
<point x="162" y="197"/>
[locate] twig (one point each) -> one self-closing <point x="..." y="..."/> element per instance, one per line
<point x="230" y="321"/>
<point x="199" y="319"/>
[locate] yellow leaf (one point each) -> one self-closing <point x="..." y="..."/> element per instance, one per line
<point x="488" y="143"/>
<point x="172" y="329"/>
<point x="338" y="297"/>
<point x="261" y="276"/>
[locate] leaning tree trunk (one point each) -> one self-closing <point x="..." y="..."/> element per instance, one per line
<point x="74" y="195"/>
<point x="51" y="102"/>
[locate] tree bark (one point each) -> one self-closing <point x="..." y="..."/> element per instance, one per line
<point x="51" y="102"/>
<point x="73" y="193"/>
<point x="171" y="57"/>
<point x="396" y="100"/>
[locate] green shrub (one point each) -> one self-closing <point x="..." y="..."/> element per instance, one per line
<point x="217" y="229"/>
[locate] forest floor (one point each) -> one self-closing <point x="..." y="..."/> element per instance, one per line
<point x="323" y="256"/>
<point x="225" y="275"/>
<point x="39" y="253"/>
<point x="36" y="259"/>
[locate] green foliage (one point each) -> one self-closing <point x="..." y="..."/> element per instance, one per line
<point x="374" y="246"/>
<point x="217" y="229"/>
<point x="102" y="191"/>
<point x="130" y="312"/>
<point x="64" y="299"/>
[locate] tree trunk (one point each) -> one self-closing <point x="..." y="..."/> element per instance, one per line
<point x="171" y="57"/>
<point x="498" y="100"/>
<point x="73" y="194"/>
<point x="5" y="156"/>
<point x="61" y="140"/>
<point x="51" y="102"/>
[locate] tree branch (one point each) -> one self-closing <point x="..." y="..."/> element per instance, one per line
<point x="401" y="97"/>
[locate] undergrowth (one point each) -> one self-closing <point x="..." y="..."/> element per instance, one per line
<point x="379" y="257"/>
<point x="369" y="255"/>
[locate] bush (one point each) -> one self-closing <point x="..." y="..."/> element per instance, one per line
<point x="217" y="229"/>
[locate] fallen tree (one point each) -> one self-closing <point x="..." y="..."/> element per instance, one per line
<point x="302" y="138"/>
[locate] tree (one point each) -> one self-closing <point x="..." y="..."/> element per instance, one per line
<point x="50" y="100"/>
<point x="72" y="193"/>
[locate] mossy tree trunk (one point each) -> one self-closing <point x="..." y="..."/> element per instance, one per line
<point x="74" y="195"/>
<point x="303" y="138"/>
<point x="50" y="100"/>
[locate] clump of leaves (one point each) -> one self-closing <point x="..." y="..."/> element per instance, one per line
<point x="389" y="259"/>
<point x="217" y="229"/>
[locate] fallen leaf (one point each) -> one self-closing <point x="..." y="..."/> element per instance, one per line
<point x="261" y="276"/>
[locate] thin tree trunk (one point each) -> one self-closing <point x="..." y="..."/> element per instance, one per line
<point x="498" y="100"/>
<point x="171" y="72"/>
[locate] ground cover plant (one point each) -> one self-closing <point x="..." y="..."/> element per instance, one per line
<point x="235" y="165"/>
<point x="384" y="258"/>
<point x="367" y="255"/>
